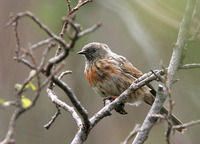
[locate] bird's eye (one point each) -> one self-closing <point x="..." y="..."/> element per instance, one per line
<point x="92" y="50"/>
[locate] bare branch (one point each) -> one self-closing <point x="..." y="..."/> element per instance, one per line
<point x="187" y="124"/>
<point x="9" y="136"/>
<point x="173" y="67"/>
<point x="89" y="30"/>
<point x="66" y="107"/>
<point x="150" y="121"/>
<point x="64" y="73"/>
<point x="73" y="99"/>
<point x="181" y="41"/>
<point x="69" y="5"/>
<point x="132" y="133"/>
<point x="46" y="51"/>
<point x="17" y="49"/>
<point x="190" y="66"/>
<point x="47" y="126"/>
<point x="80" y="3"/>
<point x="52" y="75"/>
<point x="41" y="43"/>
<point x="44" y="27"/>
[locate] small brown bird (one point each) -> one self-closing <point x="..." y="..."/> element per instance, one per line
<point x="110" y="75"/>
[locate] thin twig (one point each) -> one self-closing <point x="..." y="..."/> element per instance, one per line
<point x="41" y="43"/>
<point x="69" y="5"/>
<point x="48" y="125"/>
<point x="52" y="74"/>
<point x="66" y="107"/>
<point x="17" y="49"/>
<point x="80" y="4"/>
<point x="9" y="136"/>
<point x="37" y="21"/>
<point x="73" y="99"/>
<point x="46" y="51"/>
<point x="186" y="124"/>
<point x="89" y="30"/>
<point x="190" y="66"/>
<point x="64" y="73"/>
<point x="132" y="133"/>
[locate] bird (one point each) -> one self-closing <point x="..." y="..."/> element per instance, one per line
<point x="110" y="74"/>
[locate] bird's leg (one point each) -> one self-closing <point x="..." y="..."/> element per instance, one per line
<point x="119" y="108"/>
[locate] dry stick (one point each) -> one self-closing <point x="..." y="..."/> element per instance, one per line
<point x="17" y="49"/>
<point x="44" y="27"/>
<point x="80" y="3"/>
<point x="38" y="79"/>
<point x="44" y="56"/>
<point x="47" y="126"/>
<point x="70" y="12"/>
<point x="190" y="66"/>
<point x="9" y="136"/>
<point x="41" y="43"/>
<point x="73" y="99"/>
<point x="132" y="133"/>
<point x="64" y="73"/>
<point x="25" y="62"/>
<point x="69" y="5"/>
<point x="181" y="40"/>
<point x="173" y="67"/>
<point x="186" y="124"/>
<point x="66" y="107"/>
<point x="52" y="74"/>
<point x="89" y="30"/>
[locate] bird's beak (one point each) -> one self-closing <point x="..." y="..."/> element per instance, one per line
<point x="81" y="52"/>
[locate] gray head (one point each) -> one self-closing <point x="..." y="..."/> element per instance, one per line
<point x="95" y="51"/>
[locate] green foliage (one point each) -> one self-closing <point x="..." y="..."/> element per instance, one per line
<point x="32" y="73"/>
<point x="25" y="102"/>
<point x="2" y="101"/>
<point x="30" y="84"/>
<point x="18" y="87"/>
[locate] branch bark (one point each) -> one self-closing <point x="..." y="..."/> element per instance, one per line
<point x="173" y="67"/>
<point x="181" y="41"/>
<point x="150" y="120"/>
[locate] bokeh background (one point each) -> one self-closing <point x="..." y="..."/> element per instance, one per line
<point x="142" y="31"/>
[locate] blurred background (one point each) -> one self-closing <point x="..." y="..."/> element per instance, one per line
<point x="142" y="31"/>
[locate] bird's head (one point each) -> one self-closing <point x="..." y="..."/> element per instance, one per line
<point x="95" y="51"/>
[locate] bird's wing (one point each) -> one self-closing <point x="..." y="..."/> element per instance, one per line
<point x="127" y="67"/>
